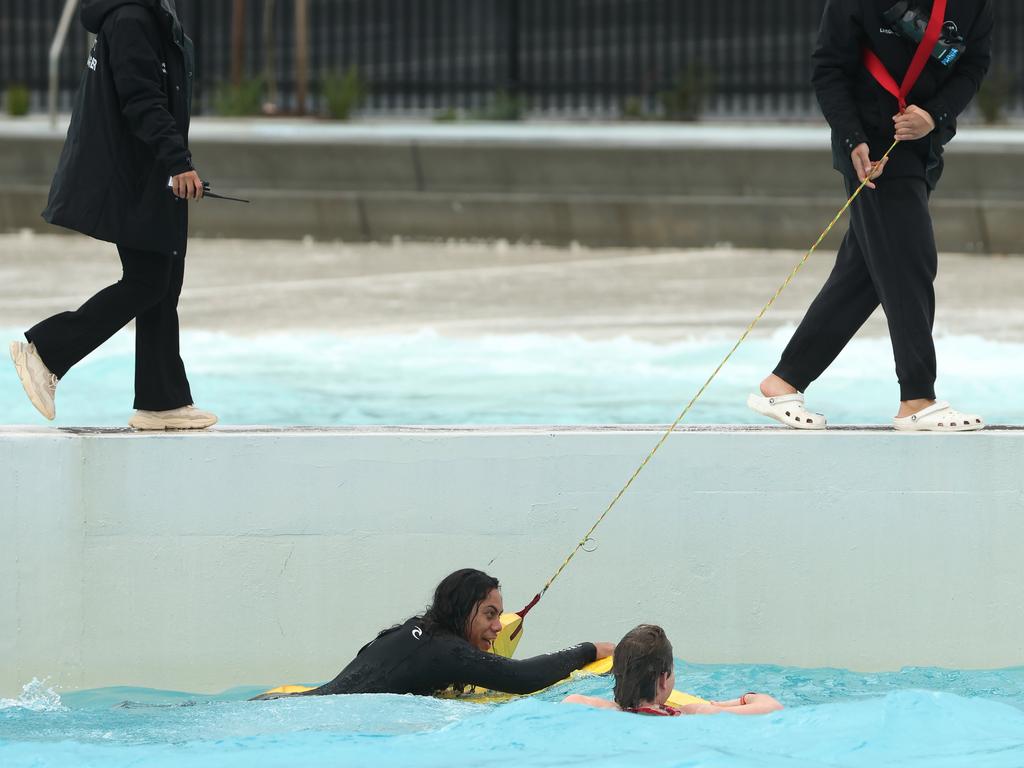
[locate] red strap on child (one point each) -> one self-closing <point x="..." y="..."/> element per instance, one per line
<point x="663" y="710"/>
<point x="924" y="50"/>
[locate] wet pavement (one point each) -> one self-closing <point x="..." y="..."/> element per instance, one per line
<point x="255" y="287"/>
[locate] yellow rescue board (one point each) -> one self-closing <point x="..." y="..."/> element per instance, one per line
<point x="484" y="696"/>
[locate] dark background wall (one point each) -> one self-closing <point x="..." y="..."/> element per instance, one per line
<point x="585" y="58"/>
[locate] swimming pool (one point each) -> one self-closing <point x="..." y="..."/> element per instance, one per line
<point x="914" y="717"/>
<point x="319" y="379"/>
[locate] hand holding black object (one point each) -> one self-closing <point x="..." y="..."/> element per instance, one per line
<point x="208" y="193"/>
<point x="187" y="185"/>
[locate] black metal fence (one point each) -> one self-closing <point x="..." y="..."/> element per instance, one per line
<point x="559" y="58"/>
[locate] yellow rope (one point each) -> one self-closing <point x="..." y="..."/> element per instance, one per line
<point x="700" y="392"/>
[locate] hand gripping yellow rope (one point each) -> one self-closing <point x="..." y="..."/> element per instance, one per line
<point x="582" y="543"/>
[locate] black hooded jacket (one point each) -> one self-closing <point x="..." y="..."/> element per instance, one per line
<point x="129" y="129"/>
<point x="859" y="110"/>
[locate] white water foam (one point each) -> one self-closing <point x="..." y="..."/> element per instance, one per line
<point x="36" y="696"/>
<point x="430" y="378"/>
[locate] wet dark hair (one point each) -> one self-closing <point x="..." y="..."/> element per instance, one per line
<point x="454" y="600"/>
<point x="640" y="657"/>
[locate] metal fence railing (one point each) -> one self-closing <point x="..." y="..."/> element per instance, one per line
<point x="560" y="58"/>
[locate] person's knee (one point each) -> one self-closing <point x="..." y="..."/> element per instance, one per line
<point x="148" y="286"/>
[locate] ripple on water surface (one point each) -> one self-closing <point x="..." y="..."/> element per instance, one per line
<point x="427" y="378"/>
<point x="915" y="717"/>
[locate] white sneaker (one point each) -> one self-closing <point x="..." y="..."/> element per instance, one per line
<point x="187" y="417"/>
<point x="39" y="383"/>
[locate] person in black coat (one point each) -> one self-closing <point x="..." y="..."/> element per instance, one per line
<point x="888" y="256"/>
<point x="125" y="175"/>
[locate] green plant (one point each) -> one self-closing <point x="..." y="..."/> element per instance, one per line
<point x="633" y="109"/>
<point x="239" y="100"/>
<point x="685" y="100"/>
<point x="993" y="96"/>
<point x="449" y="115"/>
<point x="345" y="94"/>
<point x="503" y="107"/>
<point x="17" y="100"/>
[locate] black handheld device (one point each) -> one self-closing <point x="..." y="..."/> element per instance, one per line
<point x="208" y="193"/>
<point x="214" y="195"/>
<point x="910" y="22"/>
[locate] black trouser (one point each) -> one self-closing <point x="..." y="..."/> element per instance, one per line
<point x="887" y="257"/>
<point x="148" y="291"/>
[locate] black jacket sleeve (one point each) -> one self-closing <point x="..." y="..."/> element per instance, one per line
<point x="471" y="666"/>
<point x="837" y="58"/>
<point x="956" y="93"/>
<point x="134" y="53"/>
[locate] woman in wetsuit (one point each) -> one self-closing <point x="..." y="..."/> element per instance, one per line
<point x="645" y="675"/>
<point x="449" y="647"/>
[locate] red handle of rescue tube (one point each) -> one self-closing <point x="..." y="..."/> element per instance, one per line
<point x="522" y="615"/>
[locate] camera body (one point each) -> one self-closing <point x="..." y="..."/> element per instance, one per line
<point x="910" y="22"/>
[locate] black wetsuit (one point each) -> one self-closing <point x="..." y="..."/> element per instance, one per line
<point x="408" y="659"/>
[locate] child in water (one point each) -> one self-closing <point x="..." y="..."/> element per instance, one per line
<point x="645" y="675"/>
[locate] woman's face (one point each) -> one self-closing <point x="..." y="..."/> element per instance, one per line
<point x="485" y="621"/>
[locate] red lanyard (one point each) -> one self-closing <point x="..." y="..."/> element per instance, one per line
<point x="924" y="50"/>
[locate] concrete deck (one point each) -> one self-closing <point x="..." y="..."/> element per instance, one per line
<point x="732" y="135"/>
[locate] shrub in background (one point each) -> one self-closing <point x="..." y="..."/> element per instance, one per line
<point x="345" y="94"/>
<point x="994" y="95"/>
<point x="685" y="101"/>
<point x="503" y="107"/>
<point x="633" y="109"/>
<point x="17" y="99"/>
<point x="448" y="115"/>
<point x="239" y="100"/>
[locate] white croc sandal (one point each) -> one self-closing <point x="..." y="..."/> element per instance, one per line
<point x="788" y="410"/>
<point x="939" y="417"/>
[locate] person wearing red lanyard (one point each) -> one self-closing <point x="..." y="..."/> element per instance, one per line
<point x="645" y="675"/>
<point x="886" y="72"/>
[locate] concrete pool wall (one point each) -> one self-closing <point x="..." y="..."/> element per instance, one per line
<point x="246" y="556"/>
<point x="646" y="185"/>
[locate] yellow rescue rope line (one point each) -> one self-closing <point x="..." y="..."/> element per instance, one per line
<point x="707" y="383"/>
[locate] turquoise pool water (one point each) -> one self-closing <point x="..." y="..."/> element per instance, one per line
<point x="427" y="378"/>
<point x="914" y="717"/>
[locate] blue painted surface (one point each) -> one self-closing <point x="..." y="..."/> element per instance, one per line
<point x="914" y="717"/>
<point x="430" y="379"/>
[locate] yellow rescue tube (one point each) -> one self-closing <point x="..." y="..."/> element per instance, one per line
<point x="288" y="689"/>
<point x="507" y="641"/>
<point x="484" y="696"/>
